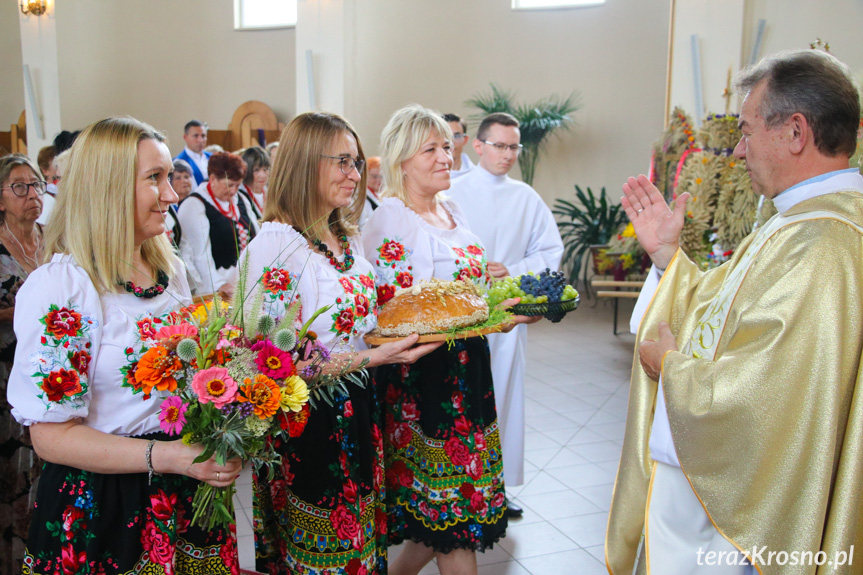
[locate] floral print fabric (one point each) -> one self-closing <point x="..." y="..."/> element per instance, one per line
<point x="322" y="511"/>
<point x="89" y="523"/>
<point x="444" y="484"/>
<point x="444" y="480"/>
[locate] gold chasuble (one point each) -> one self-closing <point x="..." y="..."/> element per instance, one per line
<point x="768" y="428"/>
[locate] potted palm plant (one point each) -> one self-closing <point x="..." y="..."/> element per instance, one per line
<point x="585" y="226"/>
<point x="537" y="121"/>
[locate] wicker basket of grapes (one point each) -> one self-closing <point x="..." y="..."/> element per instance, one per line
<point x="546" y="294"/>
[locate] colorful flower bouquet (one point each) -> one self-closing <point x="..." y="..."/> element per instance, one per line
<point x="231" y="383"/>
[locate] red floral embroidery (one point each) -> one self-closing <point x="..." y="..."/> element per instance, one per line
<point x="385" y="293"/>
<point x="367" y="281"/>
<point x="361" y="305"/>
<point x="61" y="383"/>
<point x="81" y="361"/>
<point x="392" y="251"/>
<point x="276" y="280"/>
<point x="146" y="329"/>
<point x="347" y="285"/>
<point x="62" y="322"/>
<point x="475" y="250"/>
<point x="404" y="279"/>
<point x="345" y="321"/>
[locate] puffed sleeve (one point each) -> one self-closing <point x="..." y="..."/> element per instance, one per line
<point x="57" y="324"/>
<point x="194" y="244"/>
<point x="273" y="264"/>
<point x="398" y="248"/>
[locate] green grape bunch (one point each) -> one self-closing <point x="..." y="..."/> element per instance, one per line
<point x="544" y="287"/>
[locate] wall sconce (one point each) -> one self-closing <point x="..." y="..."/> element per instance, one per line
<point x="35" y="7"/>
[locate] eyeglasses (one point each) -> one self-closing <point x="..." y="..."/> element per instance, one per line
<point x="21" y="189"/>
<point x="458" y="136"/>
<point x="515" y="148"/>
<point x="347" y="164"/>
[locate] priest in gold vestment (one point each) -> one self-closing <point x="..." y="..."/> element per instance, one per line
<point x="743" y="451"/>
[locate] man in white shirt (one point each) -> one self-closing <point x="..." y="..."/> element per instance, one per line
<point x="195" y="136"/>
<point x="461" y="163"/>
<point x="520" y="235"/>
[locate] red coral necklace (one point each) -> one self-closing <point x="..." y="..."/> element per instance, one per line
<point x="231" y="212"/>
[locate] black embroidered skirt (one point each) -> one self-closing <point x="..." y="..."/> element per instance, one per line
<point x="322" y="511"/>
<point x="444" y="466"/>
<point x="95" y="523"/>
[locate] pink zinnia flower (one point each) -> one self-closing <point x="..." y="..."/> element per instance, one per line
<point x="272" y="361"/>
<point x="214" y="384"/>
<point x="172" y="418"/>
<point x="176" y="332"/>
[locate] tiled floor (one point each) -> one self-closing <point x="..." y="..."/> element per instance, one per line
<point x="576" y="392"/>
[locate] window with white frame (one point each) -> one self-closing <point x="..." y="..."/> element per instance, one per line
<point x="264" y="14"/>
<point x="540" y="4"/>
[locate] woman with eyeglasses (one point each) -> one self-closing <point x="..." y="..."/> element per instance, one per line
<point x="323" y="513"/>
<point x="20" y="253"/>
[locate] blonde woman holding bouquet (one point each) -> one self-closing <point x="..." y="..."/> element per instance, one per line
<point x="323" y="511"/>
<point x="114" y="496"/>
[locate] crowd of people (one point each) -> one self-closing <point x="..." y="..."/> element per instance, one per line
<point x="421" y="454"/>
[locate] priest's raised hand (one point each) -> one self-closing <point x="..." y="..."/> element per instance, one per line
<point x="656" y="226"/>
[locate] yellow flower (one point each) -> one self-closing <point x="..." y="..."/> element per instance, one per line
<point x="627" y="260"/>
<point x="697" y="180"/>
<point x="629" y="231"/>
<point x="187" y="439"/>
<point x="295" y="394"/>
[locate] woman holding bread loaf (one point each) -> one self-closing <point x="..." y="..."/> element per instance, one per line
<point x="445" y="491"/>
<point x="322" y="512"/>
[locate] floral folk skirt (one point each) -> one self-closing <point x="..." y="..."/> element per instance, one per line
<point x="322" y="511"/>
<point x="444" y="467"/>
<point x="93" y="523"/>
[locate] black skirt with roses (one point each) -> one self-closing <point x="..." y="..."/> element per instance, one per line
<point x="444" y="467"/>
<point x="322" y="510"/>
<point x="114" y="524"/>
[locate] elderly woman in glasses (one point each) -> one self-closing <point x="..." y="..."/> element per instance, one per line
<point x="20" y="253"/>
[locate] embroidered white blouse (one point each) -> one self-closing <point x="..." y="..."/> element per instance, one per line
<point x="285" y="268"/>
<point x="404" y="248"/>
<point x="75" y="347"/>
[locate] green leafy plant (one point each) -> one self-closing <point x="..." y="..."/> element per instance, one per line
<point x="591" y="223"/>
<point x="537" y="121"/>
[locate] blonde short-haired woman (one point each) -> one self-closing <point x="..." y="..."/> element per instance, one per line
<point x="440" y="409"/>
<point x="115" y="494"/>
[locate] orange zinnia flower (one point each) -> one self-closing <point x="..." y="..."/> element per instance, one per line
<point x="156" y="370"/>
<point x="263" y="393"/>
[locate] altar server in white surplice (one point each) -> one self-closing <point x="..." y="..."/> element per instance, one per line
<point x="520" y="235"/>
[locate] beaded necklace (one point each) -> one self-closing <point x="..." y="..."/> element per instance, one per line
<point x="150" y="292"/>
<point x="231" y="212"/>
<point x="346" y="245"/>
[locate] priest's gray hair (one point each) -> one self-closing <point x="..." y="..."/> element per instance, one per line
<point x="812" y="83"/>
<point x="402" y="138"/>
